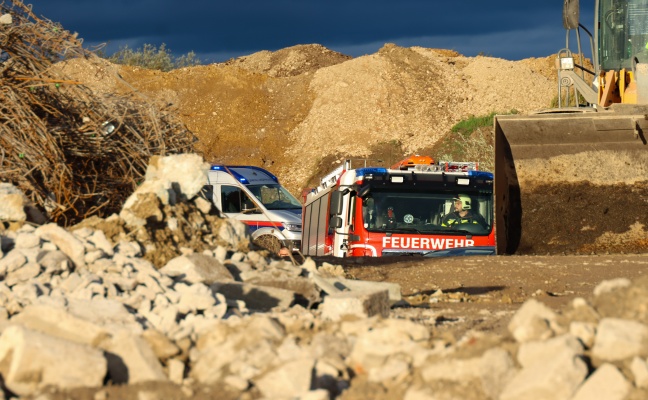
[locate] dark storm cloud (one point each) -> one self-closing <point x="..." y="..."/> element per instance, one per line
<point x="218" y="30"/>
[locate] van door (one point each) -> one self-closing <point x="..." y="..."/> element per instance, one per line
<point x="235" y="203"/>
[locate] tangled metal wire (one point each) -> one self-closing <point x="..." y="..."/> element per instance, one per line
<point x="73" y="153"/>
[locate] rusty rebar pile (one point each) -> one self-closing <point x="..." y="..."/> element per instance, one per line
<point x="75" y="154"/>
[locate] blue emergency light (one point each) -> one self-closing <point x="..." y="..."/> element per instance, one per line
<point x="370" y="171"/>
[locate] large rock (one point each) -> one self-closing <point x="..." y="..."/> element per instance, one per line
<point x="551" y="370"/>
<point x="607" y="382"/>
<point x="58" y="322"/>
<point x="30" y="360"/>
<point x="131" y="360"/>
<point x="14" y="205"/>
<point x="197" y="268"/>
<point x="356" y="303"/>
<point x="618" y="339"/>
<point x="262" y="298"/>
<point x="289" y="380"/>
<point x="65" y="241"/>
<point x="179" y="174"/>
<point x="533" y="321"/>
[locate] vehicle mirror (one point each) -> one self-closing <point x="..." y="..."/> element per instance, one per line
<point x="363" y="192"/>
<point x="335" y="222"/>
<point x="336" y="203"/>
<point x="571" y="15"/>
<point x="207" y="193"/>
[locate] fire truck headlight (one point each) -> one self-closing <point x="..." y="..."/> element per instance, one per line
<point x="293" y="227"/>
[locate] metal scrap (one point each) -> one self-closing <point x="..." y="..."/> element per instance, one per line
<point x="74" y="153"/>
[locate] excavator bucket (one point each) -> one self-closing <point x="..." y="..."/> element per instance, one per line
<point x="572" y="182"/>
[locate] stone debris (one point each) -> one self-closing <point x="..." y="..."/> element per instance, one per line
<point x="114" y="302"/>
<point x="31" y="360"/>
<point x="618" y="339"/>
<point x="606" y="383"/>
<point x="361" y="304"/>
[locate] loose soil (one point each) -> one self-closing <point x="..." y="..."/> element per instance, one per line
<point x="300" y="111"/>
<point x="468" y="299"/>
<point x="481" y="293"/>
<point x="584" y="218"/>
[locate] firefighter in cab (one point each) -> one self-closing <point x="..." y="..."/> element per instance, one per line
<point x="391" y="218"/>
<point x="462" y="213"/>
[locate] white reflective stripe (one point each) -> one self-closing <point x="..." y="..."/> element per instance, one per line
<point x="365" y="246"/>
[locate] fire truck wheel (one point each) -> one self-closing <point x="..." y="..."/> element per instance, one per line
<point x="268" y="242"/>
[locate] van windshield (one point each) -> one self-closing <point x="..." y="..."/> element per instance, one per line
<point x="274" y="197"/>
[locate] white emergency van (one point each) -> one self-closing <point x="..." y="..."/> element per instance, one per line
<point x="255" y="197"/>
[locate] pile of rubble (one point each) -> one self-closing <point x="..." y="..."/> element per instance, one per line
<point x="84" y="309"/>
<point x="73" y="152"/>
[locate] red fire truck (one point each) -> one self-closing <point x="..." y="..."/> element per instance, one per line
<point x="415" y="207"/>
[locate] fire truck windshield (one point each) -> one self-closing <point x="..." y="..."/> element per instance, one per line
<point x="428" y="212"/>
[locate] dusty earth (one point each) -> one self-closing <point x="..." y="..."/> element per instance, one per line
<point x="466" y="302"/>
<point x="481" y="293"/>
<point x="300" y="111"/>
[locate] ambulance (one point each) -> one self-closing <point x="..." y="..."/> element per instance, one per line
<point x="255" y="197"/>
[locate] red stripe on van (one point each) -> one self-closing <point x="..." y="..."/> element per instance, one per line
<point x="264" y="223"/>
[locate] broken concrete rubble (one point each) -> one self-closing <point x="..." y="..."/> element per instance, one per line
<point x="363" y="304"/>
<point x="32" y="360"/>
<point x="225" y="313"/>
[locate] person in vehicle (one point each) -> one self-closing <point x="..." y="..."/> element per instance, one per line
<point x="378" y="213"/>
<point x="463" y="213"/>
<point x="391" y="217"/>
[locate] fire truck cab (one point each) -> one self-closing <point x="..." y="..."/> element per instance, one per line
<point x="409" y="209"/>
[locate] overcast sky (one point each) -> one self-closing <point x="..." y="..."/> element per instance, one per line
<point x="217" y="30"/>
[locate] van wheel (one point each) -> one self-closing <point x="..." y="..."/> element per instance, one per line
<point x="268" y="242"/>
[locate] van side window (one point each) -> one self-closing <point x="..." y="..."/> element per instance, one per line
<point x="230" y="199"/>
<point x="233" y="200"/>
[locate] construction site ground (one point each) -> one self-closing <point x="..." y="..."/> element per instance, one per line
<point x="300" y="111"/>
<point x="481" y="293"/>
<point x="460" y="299"/>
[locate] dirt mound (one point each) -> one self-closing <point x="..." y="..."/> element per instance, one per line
<point x="605" y="219"/>
<point x="301" y="110"/>
<point x="281" y="109"/>
<point x="98" y="74"/>
<point x="601" y="198"/>
<point x="163" y="241"/>
<point x="291" y="61"/>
